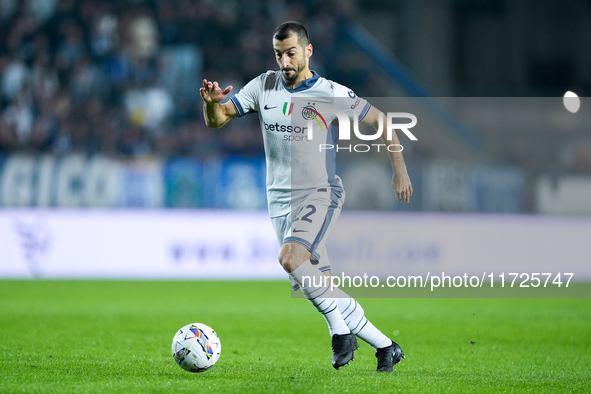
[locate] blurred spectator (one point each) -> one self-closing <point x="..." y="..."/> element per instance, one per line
<point x="14" y="76"/>
<point x="103" y="36"/>
<point x="70" y="49"/>
<point x="169" y="26"/>
<point x="42" y="9"/>
<point x="86" y="80"/>
<point x="45" y="128"/>
<point x="44" y="78"/>
<point x="148" y="106"/>
<point x="142" y="37"/>
<point x="19" y="115"/>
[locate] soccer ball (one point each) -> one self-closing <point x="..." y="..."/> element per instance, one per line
<point x="196" y="347"/>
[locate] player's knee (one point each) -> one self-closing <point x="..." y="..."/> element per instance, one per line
<point x="285" y="258"/>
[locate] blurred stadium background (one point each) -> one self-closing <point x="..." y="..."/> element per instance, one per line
<point x="100" y="109"/>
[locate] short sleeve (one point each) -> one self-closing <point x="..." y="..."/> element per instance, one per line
<point x="351" y="104"/>
<point x="246" y="101"/>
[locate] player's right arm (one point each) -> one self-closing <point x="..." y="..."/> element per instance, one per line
<point x="215" y="113"/>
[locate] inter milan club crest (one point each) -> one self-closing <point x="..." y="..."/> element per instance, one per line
<point x="310" y="113"/>
<point x="287" y="108"/>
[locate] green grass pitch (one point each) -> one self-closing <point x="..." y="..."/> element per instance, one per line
<point x="115" y="336"/>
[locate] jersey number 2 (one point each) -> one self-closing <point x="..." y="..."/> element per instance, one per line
<point x="306" y="217"/>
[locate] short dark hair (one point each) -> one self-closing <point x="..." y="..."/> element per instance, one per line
<point x="284" y="30"/>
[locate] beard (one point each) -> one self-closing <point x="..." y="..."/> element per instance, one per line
<point x="295" y="72"/>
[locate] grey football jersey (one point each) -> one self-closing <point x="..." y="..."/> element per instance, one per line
<point x="295" y="163"/>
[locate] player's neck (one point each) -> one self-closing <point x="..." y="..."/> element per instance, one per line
<point x="306" y="74"/>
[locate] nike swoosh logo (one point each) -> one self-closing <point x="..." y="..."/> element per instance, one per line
<point x="267" y="107"/>
<point x="299" y="231"/>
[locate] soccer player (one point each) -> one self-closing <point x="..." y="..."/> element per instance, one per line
<point x="304" y="194"/>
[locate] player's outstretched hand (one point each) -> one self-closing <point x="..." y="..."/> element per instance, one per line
<point x="212" y="93"/>
<point x="402" y="187"/>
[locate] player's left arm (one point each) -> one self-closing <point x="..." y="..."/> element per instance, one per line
<point x="400" y="180"/>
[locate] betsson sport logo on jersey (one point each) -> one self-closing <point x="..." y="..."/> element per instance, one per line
<point x="309" y="112"/>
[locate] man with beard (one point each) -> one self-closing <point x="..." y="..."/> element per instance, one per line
<point x="305" y="196"/>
